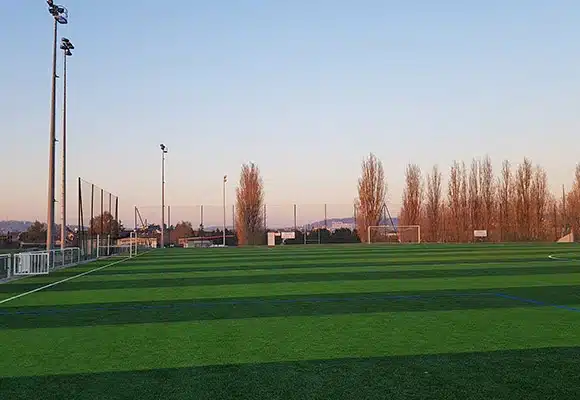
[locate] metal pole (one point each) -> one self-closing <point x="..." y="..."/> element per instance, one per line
<point x="110" y="213"/>
<point x="201" y="217"/>
<point x="169" y="224"/>
<point x="116" y="232"/>
<point x="80" y="224"/>
<point x="63" y="160"/>
<point x="224" y="206"/>
<point x="52" y="148"/>
<point x="102" y="221"/>
<point x="92" y="224"/>
<point x="162" y="198"/>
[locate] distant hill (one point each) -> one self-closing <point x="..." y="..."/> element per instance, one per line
<point x="334" y="223"/>
<point x="14" y="226"/>
<point x="20" y="226"/>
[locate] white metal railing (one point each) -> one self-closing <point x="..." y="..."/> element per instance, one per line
<point x="64" y="258"/>
<point x="44" y="262"/>
<point x="5" y="266"/>
<point x="32" y="263"/>
<point x="38" y="262"/>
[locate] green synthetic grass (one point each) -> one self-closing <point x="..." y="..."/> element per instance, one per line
<point x="308" y="322"/>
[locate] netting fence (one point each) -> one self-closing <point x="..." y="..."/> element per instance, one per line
<point x="305" y="219"/>
<point x="336" y="223"/>
<point x="280" y="217"/>
<point x="98" y="218"/>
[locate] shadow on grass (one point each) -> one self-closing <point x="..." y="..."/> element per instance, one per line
<point x="176" y="265"/>
<point x="304" y="305"/>
<point x="548" y="373"/>
<point x="78" y="285"/>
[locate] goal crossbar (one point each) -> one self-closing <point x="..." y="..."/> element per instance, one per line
<point x="398" y="234"/>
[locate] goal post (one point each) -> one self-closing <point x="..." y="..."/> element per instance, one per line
<point x="390" y="234"/>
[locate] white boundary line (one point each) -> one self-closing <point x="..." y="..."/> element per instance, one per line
<point x="555" y="258"/>
<point x="70" y="278"/>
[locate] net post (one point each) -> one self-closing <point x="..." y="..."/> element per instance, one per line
<point x="369" y="235"/>
<point x="79" y="220"/>
<point x="98" y="245"/>
<point x="131" y="243"/>
<point x="117" y="224"/>
<point x="92" y="224"/>
<point x="102" y="220"/>
<point x="418" y="233"/>
<point x="110" y="213"/>
<point x="136" y="243"/>
<point x="108" y="245"/>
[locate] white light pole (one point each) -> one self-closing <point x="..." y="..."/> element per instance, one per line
<point x="163" y="152"/>
<point x="66" y="46"/>
<point x="224" y="204"/>
<point x="60" y="16"/>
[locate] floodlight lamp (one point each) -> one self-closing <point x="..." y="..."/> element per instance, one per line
<point x="59" y="13"/>
<point x="163" y="148"/>
<point x="68" y="53"/>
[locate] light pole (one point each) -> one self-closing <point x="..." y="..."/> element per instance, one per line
<point x="163" y="152"/>
<point x="224" y="205"/>
<point x="60" y="16"/>
<point x="66" y="46"/>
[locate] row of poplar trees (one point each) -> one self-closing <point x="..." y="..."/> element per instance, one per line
<point x="514" y="204"/>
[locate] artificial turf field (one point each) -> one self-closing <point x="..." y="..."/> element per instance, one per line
<point x="312" y="322"/>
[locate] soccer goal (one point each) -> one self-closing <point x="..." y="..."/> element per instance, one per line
<point x="390" y="234"/>
<point x="128" y="249"/>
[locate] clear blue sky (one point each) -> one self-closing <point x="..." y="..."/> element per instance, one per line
<point x="303" y="88"/>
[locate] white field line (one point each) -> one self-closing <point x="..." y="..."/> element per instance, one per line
<point x="555" y="257"/>
<point x="70" y="278"/>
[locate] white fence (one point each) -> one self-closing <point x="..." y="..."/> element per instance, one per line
<point x="44" y="262"/>
<point x="31" y="263"/>
<point x="5" y="266"/>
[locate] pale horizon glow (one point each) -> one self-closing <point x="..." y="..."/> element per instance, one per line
<point x="303" y="89"/>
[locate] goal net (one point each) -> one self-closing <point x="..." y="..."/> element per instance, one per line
<point x="390" y="234"/>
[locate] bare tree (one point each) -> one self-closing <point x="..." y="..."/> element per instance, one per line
<point x="249" y="206"/>
<point x="572" y="207"/>
<point x="454" y="201"/>
<point x="488" y="192"/>
<point x="36" y="233"/>
<point x="371" y="195"/>
<point x="464" y="200"/>
<point x="475" y="201"/>
<point x="183" y="229"/>
<point x="433" y="206"/>
<point x="412" y="197"/>
<point x="105" y="224"/>
<point x="505" y="195"/>
<point x="524" y="176"/>
<point x="540" y="198"/>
